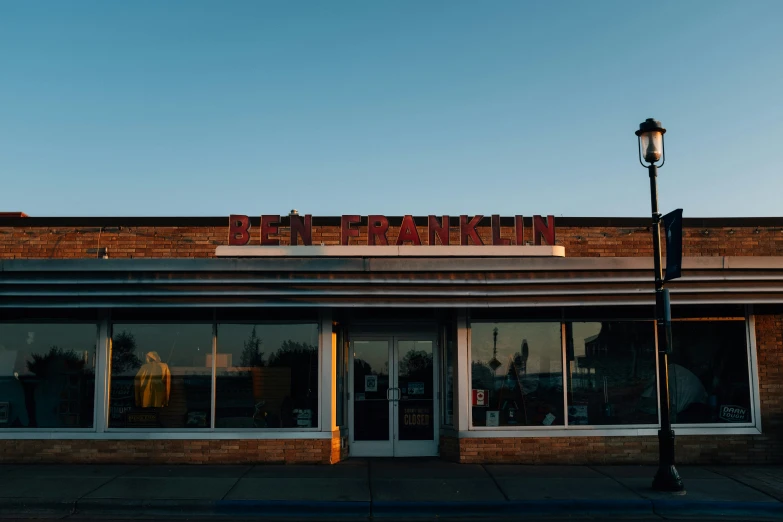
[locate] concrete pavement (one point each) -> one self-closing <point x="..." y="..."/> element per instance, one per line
<point x="360" y="489"/>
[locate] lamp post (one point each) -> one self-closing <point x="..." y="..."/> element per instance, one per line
<point x="651" y="150"/>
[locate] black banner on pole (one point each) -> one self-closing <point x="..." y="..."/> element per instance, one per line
<point x="672" y="226"/>
<point x="667" y="320"/>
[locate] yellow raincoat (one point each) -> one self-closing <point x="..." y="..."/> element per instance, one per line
<point x="153" y="383"/>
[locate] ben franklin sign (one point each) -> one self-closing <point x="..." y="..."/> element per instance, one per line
<point x="438" y="230"/>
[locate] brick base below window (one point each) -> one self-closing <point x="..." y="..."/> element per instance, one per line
<point x="739" y="449"/>
<point x="295" y="451"/>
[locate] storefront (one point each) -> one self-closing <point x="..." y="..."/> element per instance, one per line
<point x="300" y="339"/>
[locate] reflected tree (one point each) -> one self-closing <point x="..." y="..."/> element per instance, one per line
<point x="123" y="353"/>
<point x="56" y="360"/>
<point x="416" y="364"/>
<point x="361" y="367"/>
<point x="302" y="359"/>
<point x="483" y="376"/>
<point x="251" y="353"/>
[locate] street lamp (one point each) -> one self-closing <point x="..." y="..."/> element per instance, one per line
<point x="651" y="150"/>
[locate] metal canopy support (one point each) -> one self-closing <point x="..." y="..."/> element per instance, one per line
<point x="462" y="407"/>
<point x="327" y="386"/>
<point x="102" y="368"/>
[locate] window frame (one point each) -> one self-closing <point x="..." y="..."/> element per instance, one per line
<point x="444" y="336"/>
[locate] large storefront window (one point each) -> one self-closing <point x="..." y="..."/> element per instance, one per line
<point x="47" y="375"/>
<point x="610" y="373"/>
<point x="612" y="377"/>
<point x="267" y="376"/>
<point x="517" y="374"/>
<point x="161" y="376"/>
<point x="709" y="381"/>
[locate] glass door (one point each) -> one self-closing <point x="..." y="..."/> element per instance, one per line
<point x="415" y="382"/>
<point x="370" y="398"/>
<point x="393" y="400"/>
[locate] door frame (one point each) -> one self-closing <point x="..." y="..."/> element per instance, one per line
<point x="394" y="447"/>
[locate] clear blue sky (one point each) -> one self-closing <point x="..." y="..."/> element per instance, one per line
<point x="392" y="107"/>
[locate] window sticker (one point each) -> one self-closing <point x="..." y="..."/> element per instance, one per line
<point x="415" y="388"/>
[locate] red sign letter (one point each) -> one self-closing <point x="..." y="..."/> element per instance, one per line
<point x="519" y="228"/>
<point x="376" y="230"/>
<point x="408" y="231"/>
<point x="346" y="232"/>
<point x="496" y="239"/>
<point x="468" y="230"/>
<point x="238" y="229"/>
<point x="302" y="228"/>
<point x="440" y="229"/>
<point x="547" y="230"/>
<point x="269" y="226"/>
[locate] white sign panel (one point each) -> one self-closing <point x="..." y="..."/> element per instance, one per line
<point x="493" y="418"/>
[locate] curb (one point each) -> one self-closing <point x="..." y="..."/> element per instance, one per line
<point x="745" y="510"/>
<point x="568" y="508"/>
<point x="298" y="509"/>
<point x="95" y="507"/>
<point x="364" y="510"/>
<point x="226" y="508"/>
<point x="37" y="506"/>
<point x="514" y="508"/>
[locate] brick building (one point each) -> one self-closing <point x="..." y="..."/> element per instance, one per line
<point x="187" y="340"/>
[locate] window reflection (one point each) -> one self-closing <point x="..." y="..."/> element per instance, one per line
<point x="267" y="376"/>
<point x="47" y="375"/>
<point x="371" y="386"/>
<point x="611" y="373"/>
<point x="708" y="373"/>
<point x="161" y="376"/>
<point x="517" y="374"/>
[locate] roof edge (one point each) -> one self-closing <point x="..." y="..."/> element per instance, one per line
<point x="506" y="221"/>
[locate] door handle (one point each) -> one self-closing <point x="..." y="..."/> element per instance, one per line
<point x="393" y="394"/>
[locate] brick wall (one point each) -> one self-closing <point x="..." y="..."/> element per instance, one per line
<point x="289" y="451"/>
<point x="178" y="242"/>
<point x="296" y="451"/>
<point x="702" y="449"/>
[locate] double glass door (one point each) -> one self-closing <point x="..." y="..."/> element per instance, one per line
<point x="393" y="406"/>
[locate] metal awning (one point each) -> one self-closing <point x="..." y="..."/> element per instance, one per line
<point x="382" y="282"/>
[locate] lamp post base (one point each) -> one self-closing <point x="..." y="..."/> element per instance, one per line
<point x="667" y="478"/>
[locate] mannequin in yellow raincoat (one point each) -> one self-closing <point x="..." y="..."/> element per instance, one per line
<point x="153" y="383"/>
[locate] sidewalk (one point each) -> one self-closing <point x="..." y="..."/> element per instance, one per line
<point x="360" y="489"/>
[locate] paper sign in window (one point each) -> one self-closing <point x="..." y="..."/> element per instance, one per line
<point x="415" y="388"/>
